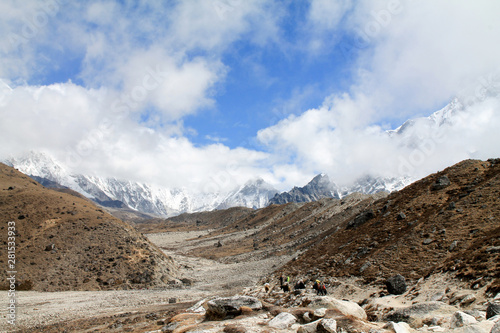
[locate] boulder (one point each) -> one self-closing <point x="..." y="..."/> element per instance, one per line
<point x="441" y="182"/>
<point x="493" y="309"/>
<point x="347" y="308"/>
<point x="282" y="321"/>
<point x="481" y="327"/>
<point x="460" y="319"/>
<point x="327" y="326"/>
<point x="398" y="327"/>
<point x="309" y="328"/>
<point x="396" y="284"/>
<point x="416" y="314"/>
<point x="220" y="308"/>
<point x="360" y="219"/>
<point x="319" y="313"/>
<point x="467" y="300"/>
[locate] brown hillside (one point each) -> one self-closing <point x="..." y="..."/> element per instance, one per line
<point x="427" y="227"/>
<point x="65" y="242"/>
<point x="194" y="221"/>
<point x="284" y="229"/>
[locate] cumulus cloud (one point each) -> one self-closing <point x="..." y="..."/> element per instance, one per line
<point x="142" y="68"/>
<point x="410" y="59"/>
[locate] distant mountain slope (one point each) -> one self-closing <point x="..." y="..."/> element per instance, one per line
<point x="65" y="242"/>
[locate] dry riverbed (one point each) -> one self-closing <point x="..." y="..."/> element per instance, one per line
<point x="209" y="278"/>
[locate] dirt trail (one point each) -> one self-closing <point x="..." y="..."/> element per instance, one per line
<point x="209" y="278"/>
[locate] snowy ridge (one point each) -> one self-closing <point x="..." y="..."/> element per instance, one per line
<point x="145" y="198"/>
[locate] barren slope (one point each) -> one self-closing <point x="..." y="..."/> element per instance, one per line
<point x="64" y="242"/>
<point x="427" y="227"/>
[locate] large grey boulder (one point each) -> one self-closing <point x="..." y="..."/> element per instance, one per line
<point x="347" y="308"/>
<point x="327" y="326"/>
<point x="282" y="321"/>
<point x="220" y="308"/>
<point x="416" y="314"/>
<point x="460" y="319"/>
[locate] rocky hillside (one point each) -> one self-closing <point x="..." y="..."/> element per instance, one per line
<point x="191" y="221"/>
<point x="65" y="242"/>
<point x="446" y="222"/>
<point x="282" y="229"/>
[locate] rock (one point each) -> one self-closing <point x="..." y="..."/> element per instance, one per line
<point x="365" y="266"/>
<point x="396" y="285"/>
<point x="231" y="328"/>
<point x="441" y="182"/>
<point x="496" y="328"/>
<point x="223" y="307"/>
<point x="181" y="320"/>
<point x="319" y="313"/>
<point x="347" y="308"/>
<point x="481" y="327"/>
<point x="467" y="300"/>
<point x="198" y="307"/>
<point x="50" y="247"/>
<point x="309" y="328"/>
<point x="361" y="219"/>
<point x="398" y="327"/>
<point x="327" y="325"/>
<point x="460" y="319"/>
<point x="401" y="216"/>
<point x="427" y="241"/>
<point x="453" y="245"/>
<point x="283" y="320"/>
<point x="416" y="314"/>
<point x="170" y="327"/>
<point x="493" y="249"/>
<point x="493" y="309"/>
<point x="187" y="282"/>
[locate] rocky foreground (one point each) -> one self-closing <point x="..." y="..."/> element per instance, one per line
<point x="419" y="309"/>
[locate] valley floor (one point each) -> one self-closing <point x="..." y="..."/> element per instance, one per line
<point x="206" y="278"/>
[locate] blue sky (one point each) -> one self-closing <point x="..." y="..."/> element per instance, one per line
<point x="185" y="93"/>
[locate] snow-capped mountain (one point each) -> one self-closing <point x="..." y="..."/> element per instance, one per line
<point x="321" y="187"/>
<point x="254" y="194"/>
<point x="145" y="198"/>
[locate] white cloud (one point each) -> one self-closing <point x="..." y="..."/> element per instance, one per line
<point x="420" y="55"/>
<point x="411" y="58"/>
<point x="163" y="61"/>
<point x="73" y="124"/>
